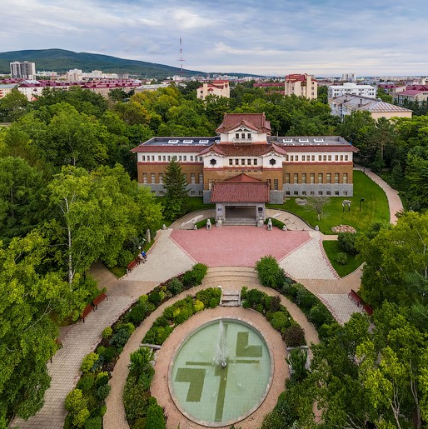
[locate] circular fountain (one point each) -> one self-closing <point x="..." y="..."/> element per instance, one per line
<point x="220" y="373"/>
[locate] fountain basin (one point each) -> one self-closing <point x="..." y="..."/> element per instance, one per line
<point x="217" y="392"/>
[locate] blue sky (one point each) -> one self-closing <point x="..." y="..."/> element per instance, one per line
<point x="269" y="37"/>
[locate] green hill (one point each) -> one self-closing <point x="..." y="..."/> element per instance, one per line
<point x="61" y="61"/>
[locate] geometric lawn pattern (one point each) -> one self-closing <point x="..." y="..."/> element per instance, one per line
<point x="239" y="246"/>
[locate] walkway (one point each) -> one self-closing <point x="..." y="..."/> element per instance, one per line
<point x="394" y="201"/>
<point x="306" y="263"/>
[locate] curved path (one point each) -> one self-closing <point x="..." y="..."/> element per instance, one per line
<point x="394" y="201"/>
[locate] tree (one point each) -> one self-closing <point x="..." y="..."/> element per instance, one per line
<point x="13" y="106"/>
<point x="31" y="295"/>
<point x="175" y="202"/>
<point x="21" y="197"/>
<point x="317" y="204"/>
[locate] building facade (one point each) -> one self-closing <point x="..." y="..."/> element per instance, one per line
<point x="353" y="89"/>
<point x="301" y="85"/>
<point x="22" y="70"/>
<point x="284" y="166"/>
<point x="220" y="88"/>
<point x="346" y="104"/>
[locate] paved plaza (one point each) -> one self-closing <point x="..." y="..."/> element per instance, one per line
<point x="299" y="251"/>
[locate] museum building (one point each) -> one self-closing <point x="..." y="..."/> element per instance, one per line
<point x="244" y="166"/>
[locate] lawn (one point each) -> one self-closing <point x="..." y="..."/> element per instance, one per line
<point x="332" y="249"/>
<point x="374" y="208"/>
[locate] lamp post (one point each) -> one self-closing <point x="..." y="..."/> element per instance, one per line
<point x="361" y="201"/>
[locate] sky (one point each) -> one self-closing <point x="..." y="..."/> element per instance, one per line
<point x="264" y="37"/>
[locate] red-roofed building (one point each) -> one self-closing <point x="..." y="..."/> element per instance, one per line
<point x="301" y="85"/>
<point x="220" y="88"/>
<point x="244" y="166"/>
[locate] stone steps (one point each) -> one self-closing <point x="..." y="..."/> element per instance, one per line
<point x="230" y="299"/>
<point x="240" y="222"/>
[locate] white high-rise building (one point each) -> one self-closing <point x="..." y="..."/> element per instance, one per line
<point x="22" y="70"/>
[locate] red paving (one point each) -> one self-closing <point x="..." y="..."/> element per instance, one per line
<point x="237" y="246"/>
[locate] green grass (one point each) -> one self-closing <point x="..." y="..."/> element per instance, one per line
<point x="118" y="271"/>
<point x="332" y="249"/>
<point x="374" y="208"/>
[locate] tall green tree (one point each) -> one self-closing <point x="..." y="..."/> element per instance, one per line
<point x="31" y="295"/>
<point x="13" y="106"/>
<point x="176" y="197"/>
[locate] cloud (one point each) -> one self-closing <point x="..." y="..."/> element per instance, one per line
<point x="281" y="36"/>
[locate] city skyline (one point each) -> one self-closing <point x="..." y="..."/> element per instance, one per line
<point x="319" y="37"/>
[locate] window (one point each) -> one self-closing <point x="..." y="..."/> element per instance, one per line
<point x="292" y="158"/>
<point x="336" y="177"/>
<point x="213" y="162"/>
<point x="303" y="157"/>
<point x="161" y="178"/>
<point x="346" y="157"/>
<point x="287" y="177"/>
<point x="153" y="157"/>
<point x="201" y="178"/>
<point x="303" y="177"/>
<point x="191" y="157"/>
<point x="328" y="177"/>
<point x="242" y="161"/>
<point x="286" y="157"/>
<point x="159" y="158"/>
<point x="312" y="193"/>
<point x="248" y="136"/>
<point x="192" y="178"/>
<point x="336" y="157"/>
<point x="153" y="178"/>
<point x="164" y="158"/>
<point x="230" y="161"/>
<point x="329" y="157"/>
<point x="236" y="161"/>
<point x="200" y="158"/>
<point x="144" y="177"/>
<point x="287" y="192"/>
<point x="296" y="193"/>
<point x="272" y="161"/>
<point x="345" y="192"/>
<point x="312" y="178"/>
<point x="345" y="178"/>
<point x="237" y="135"/>
<point x="303" y="192"/>
<point x="243" y="135"/>
<point x="319" y="192"/>
<point x="324" y="158"/>
<point x="192" y="192"/>
<point x="275" y="184"/>
<point x="169" y="157"/>
<point x="185" y="158"/>
<point x="255" y="161"/>
<point x="341" y="157"/>
<point x="180" y="158"/>
<point x="319" y="157"/>
<point x="320" y="178"/>
<point x="296" y="178"/>
<point x="144" y="157"/>
<point x="336" y="193"/>
<point x="328" y="192"/>
<point x="249" y="161"/>
<point x="313" y="157"/>
<point x="297" y="158"/>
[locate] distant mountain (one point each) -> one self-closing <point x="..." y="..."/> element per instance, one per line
<point x="61" y="61"/>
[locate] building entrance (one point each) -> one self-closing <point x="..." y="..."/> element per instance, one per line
<point x="234" y="212"/>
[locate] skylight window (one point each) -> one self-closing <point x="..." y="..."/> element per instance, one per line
<point x="303" y="141"/>
<point x="173" y="141"/>
<point x="187" y="141"/>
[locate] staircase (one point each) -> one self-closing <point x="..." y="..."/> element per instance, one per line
<point x="245" y="221"/>
<point x="231" y="280"/>
<point x="230" y="299"/>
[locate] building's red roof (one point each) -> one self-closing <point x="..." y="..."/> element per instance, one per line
<point x="254" y="121"/>
<point x="254" y="149"/>
<point x="243" y="178"/>
<point x="240" y="192"/>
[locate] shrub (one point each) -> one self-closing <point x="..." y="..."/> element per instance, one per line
<point x="102" y="379"/>
<point x="137" y="314"/>
<point x="135" y="399"/>
<point x="107" y="332"/>
<point x="155" y="418"/>
<point x="194" y="276"/>
<point x="275" y="222"/>
<point x="125" y="257"/>
<point x="89" y="362"/>
<point x="120" y="338"/>
<point x="86" y="382"/>
<point x="175" y="286"/>
<point x="346" y="241"/>
<point x="155" y="297"/>
<point x="198" y="305"/>
<point x="280" y="320"/>
<point x="274" y="303"/>
<point x="294" y="336"/>
<point x="103" y="391"/>
<point x="305" y="299"/>
<point x="108" y="355"/>
<point x="320" y="315"/>
<point x="269" y="272"/>
<point x="341" y="258"/>
<point x="94" y="423"/>
<point x="76" y="405"/>
<point x="214" y="302"/>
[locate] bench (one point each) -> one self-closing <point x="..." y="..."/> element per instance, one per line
<point x="85" y="312"/>
<point x="353" y="296"/>
<point x="100" y="298"/>
<point x="132" y="265"/>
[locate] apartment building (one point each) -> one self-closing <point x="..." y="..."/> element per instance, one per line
<point x="352" y="89"/>
<point x="301" y="85"/>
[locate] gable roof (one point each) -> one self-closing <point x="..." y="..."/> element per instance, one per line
<point x="244" y="191"/>
<point x="243" y="178"/>
<point x="254" y="121"/>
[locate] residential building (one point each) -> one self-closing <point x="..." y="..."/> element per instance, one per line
<point x="412" y="93"/>
<point x="22" y="70"/>
<point x="351" y="88"/>
<point x="244" y="167"/>
<point x="346" y="104"/>
<point x="301" y="85"/>
<point x="220" y="88"/>
<point x="348" y="77"/>
<point x="6" y="89"/>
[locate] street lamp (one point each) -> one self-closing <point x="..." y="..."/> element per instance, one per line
<point x="361" y="201"/>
